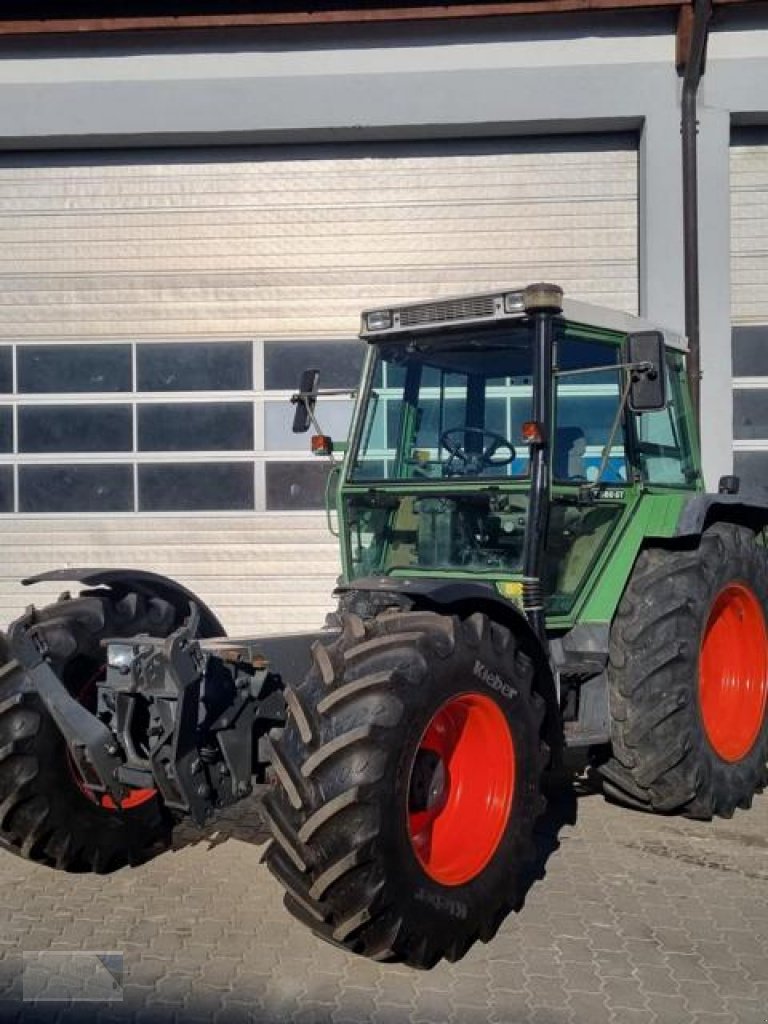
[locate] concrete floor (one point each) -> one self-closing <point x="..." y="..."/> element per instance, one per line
<point x="638" y="919"/>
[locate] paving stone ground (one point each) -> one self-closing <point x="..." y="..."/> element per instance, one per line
<point x="637" y="920"/>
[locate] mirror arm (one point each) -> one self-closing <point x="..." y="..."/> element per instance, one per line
<point x="616" y="421"/>
<point x="643" y="367"/>
<point x="306" y="396"/>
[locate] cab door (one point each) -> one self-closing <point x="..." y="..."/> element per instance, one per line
<point x="590" y="470"/>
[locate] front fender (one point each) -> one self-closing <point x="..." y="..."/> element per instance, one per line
<point x="151" y="584"/>
<point x="463" y="597"/>
<point x="451" y="596"/>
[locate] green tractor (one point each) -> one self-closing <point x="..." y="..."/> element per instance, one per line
<point x="530" y="565"/>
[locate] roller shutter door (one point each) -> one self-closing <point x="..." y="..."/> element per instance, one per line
<point x="154" y="308"/>
<point x="749" y="281"/>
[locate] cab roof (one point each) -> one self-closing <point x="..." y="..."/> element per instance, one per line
<point x="488" y="307"/>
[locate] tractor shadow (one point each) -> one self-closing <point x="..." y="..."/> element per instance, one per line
<point x="246" y="823"/>
<point x="243" y="821"/>
<point x="563" y="790"/>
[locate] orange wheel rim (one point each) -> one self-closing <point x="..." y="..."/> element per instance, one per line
<point x="733" y="672"/>
<point x="135" y="798"/>
<point x="461" y="787"/>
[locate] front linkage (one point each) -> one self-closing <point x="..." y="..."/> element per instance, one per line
<point x="177" y="714"/>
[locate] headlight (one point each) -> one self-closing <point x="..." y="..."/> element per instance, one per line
<point x="513" y="302"/>
<point x="120" y="657"/>
<point x="379" y="320"/>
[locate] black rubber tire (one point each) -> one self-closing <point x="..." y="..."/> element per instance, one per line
<point x="662" y="759"/>
<point x="44" y="815"/>
<point x="338" y="805"/>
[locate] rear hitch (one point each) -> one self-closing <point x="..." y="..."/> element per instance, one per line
<point x="176" y="714"/>
<point x="197" y="713"/>
<point x="186" y="718"/>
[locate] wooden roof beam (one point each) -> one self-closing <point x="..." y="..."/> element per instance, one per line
<point x="362" y="15"/>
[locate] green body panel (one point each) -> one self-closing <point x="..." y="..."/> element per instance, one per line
<point x="647" y="516"/>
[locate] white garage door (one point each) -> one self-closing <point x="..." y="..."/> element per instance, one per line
<point x="155" y="310"/>
<point x="749" y="279"/>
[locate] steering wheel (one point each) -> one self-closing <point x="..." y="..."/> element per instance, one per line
<point x="473" y="463"/>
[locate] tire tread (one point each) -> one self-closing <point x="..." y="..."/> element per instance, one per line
<point x="326" y="852"/>
<point x="661" y="758"/>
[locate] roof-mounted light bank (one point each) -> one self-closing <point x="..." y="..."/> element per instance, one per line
<point x="422" y="316"/>
<point x="510" y="304"/>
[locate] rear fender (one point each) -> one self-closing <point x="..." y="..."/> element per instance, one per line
<point x="150" y="584"/>
<point x="749" y="509"/>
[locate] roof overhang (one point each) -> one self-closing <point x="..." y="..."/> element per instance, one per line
<point x="488" y="308"/>
<point x="46" y="18"/>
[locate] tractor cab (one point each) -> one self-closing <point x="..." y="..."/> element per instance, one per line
<point x="504" y="437"/>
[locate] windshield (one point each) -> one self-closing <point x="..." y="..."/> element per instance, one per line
<point x="448" y="407"/>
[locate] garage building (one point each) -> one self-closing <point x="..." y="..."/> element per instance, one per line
<point x="190" y="216"/>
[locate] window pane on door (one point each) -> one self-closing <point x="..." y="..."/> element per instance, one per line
<point x="195" y="366"/>
<point x="75" y="428"/>
<point x="196" y="486"/>
<point x="339" y="363"/>
<point x="750" y="414"/>
<point x="196" y="426"/>
<point x="296" y="485"/>
<point x="73" y="369"/>
<point x="76" y="488"/>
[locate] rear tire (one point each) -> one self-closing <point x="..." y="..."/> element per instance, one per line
<point x="379" y="848"/>
<point x="46" y="815"/>
<point x="688" y="675"/>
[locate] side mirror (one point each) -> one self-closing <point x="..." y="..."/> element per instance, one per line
<point x="648" y="392"/>
<point x="305" y="400"/>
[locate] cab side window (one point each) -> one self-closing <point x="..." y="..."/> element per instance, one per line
<point x="663" y="446"/>
<point x="589" y="424"/>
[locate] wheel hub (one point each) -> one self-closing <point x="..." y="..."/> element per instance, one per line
<point x="429" y="783"/>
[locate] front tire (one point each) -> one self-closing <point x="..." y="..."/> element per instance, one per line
<point x="46" y="813"/>
<point x="407" y="784"/>
<point x="688" y="675"/>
